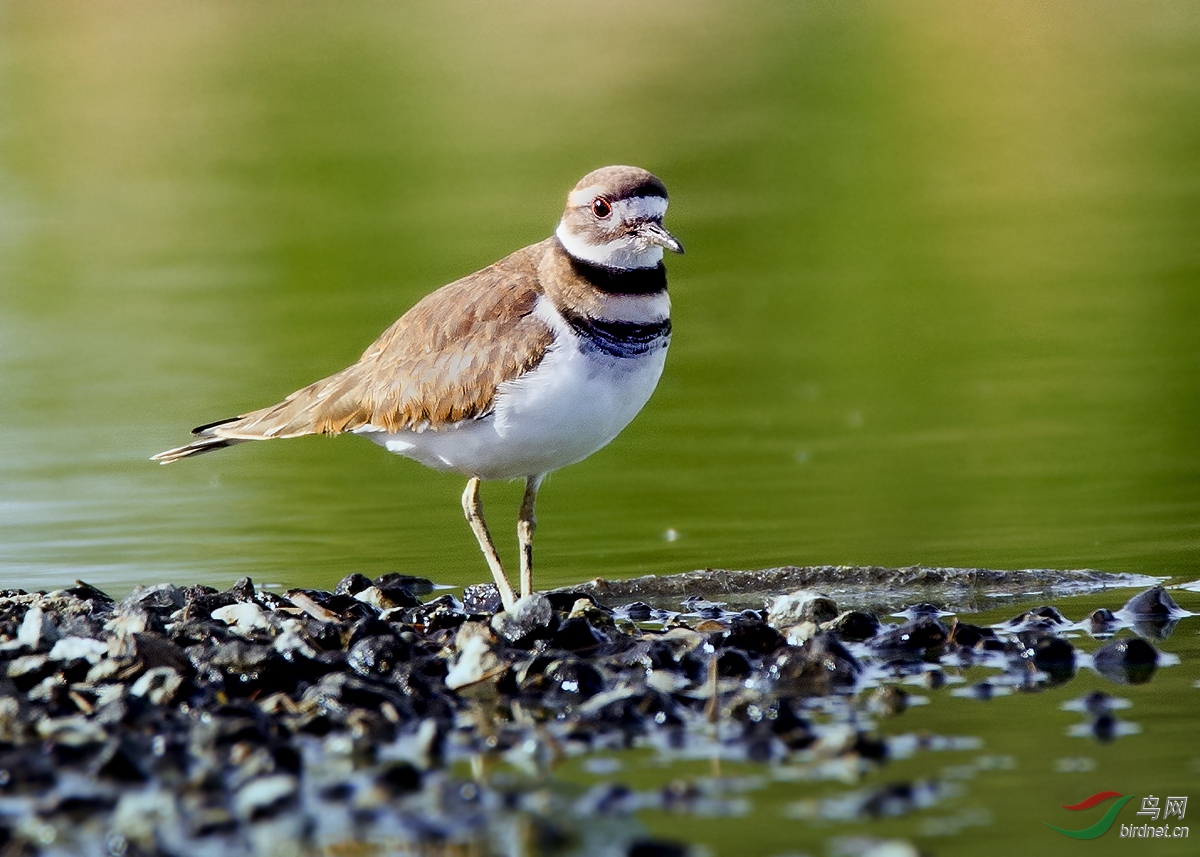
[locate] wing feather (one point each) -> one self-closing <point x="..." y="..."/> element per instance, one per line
<point x="439" y="364"/>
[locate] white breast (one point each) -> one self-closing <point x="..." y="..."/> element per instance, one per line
<point x="575" y="402"/>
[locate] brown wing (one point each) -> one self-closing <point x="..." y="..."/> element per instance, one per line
<point x="439" y="364"/>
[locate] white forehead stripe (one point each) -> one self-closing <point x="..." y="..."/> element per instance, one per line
<point x="640" y="208"/>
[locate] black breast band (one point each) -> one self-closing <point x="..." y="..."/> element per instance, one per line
<point x="620" y="338"/>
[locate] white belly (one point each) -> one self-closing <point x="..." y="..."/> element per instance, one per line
<point x="575" y="401"/>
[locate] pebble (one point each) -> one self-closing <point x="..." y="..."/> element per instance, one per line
<point x="799" y="607"/>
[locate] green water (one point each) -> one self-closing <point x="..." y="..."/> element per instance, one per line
<point x="940" y="303"/>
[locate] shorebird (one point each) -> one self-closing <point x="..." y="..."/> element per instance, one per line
<point x="528" y="365"/>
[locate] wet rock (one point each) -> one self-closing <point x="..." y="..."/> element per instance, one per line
<point x="482" y="599"/>
<point x="732" y="663"/>
<point x="1102" y="621"/>
<point x="679" y="642"/>
<point x="29" y="670"/>
<point x="1038" y="617"/>
<point x="821" y="666"/>
<point x="243" y="615"/>
<point x="88" y="593"/>
<point x="398" y="779"/>
<point x="395" y="597"/>
<point x="477" y="660"/>
<point x="133" y="620"/>
<point x="531" y="618"/>
<point x="377" y="655"/>
<point x="923" y="609"/>
<point x="265" y="797"/>
<point x="752" y="635"/>
<point x="1153" y="612"/>
<point x="566" y="600"/>
<point x="152" y="650"/>
<point x="574" y="677"/>
<point x="799" y="607"/>
<point x="598" y="617"/>
<point x="923" y="637"/>
<point x="26" y="771"/>
<point x="703" y="608"/>
<point x="78" y="648"/>
<point x="38" y="631"/>
<point x="974" y="637"/>
<point x="798" y="635"/>
<point x="411" y="583"/>
<point x="576" y="634"/>
<point x="242" y="590"/>
<point x="440" y="614"/>
<point x="1051" y="654"/>
<point x="351" y="609"/>
<point x="1154" y="603"/>
<point x="853" y="626"/>
<point x="73" y="731"/>
<point x="201" y="601"/>
<point x="159" y="686"/>
<point x="164" y="597"/>
<point x="310" y="603"/>
<point x="120" y="761"/>
<point x="1129" y="660"/>
<point x="236" y="659"/>
<point x="352" y="584"/>
<point x="639" y="611"/>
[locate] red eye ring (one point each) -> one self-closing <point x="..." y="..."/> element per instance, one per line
<point x="601" y="207"/>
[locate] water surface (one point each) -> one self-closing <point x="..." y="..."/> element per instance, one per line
<point x="939" y="304"/>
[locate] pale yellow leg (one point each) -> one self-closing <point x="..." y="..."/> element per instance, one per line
<point x="473" y="508"/>
<point x="526" y="524"/>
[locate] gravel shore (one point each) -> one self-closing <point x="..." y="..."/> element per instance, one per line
<point x="188" y="721"/>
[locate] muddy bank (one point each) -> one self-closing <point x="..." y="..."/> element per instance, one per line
<point x="866" y="587"/>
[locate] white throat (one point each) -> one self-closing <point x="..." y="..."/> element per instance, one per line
<point x="621" y="253"/>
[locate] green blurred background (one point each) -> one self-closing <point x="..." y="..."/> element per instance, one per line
<point x="940" y="303"/>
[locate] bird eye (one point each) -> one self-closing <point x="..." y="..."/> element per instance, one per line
<point x="601" y="208"/>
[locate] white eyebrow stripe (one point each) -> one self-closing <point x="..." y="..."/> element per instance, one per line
<point x="583" y="197"/>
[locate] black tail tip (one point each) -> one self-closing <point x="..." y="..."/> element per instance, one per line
<point x="202" y="429"/>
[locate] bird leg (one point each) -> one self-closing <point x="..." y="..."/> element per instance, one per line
<point x="473" y="508"/>
<point x="526" y="524"/>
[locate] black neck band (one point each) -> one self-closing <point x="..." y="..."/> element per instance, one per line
<point x="622" y="281"/>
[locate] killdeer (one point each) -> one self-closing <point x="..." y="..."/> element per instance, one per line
<point x="531" y="364"/>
